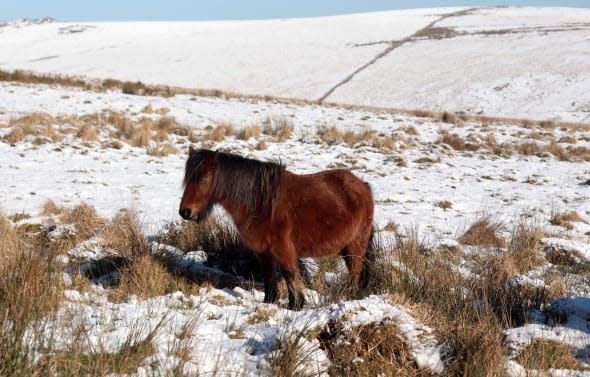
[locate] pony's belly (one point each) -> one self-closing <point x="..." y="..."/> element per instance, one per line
<point x="316" y="252"/>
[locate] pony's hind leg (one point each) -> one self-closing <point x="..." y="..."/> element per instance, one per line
<point x="268" y="266"/>
<point x="353" y="255"/>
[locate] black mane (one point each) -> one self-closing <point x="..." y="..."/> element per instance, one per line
<point x="250" y="182"/>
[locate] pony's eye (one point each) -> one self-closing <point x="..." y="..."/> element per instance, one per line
<point x="202" y="180"/>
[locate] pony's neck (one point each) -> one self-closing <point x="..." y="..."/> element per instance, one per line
<point x="237" y="211"/>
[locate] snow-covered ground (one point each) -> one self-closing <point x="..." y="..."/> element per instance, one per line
<point x="512" y="62"/>
<point x="410" y="181"/>
<point x="112" y="179"/>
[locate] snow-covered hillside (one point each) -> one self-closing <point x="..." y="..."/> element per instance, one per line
<point x="514" y="62"/>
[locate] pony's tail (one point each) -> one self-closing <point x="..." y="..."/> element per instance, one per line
<point x="369" y="259"/>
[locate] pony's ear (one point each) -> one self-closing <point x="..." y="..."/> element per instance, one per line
<point x="191" y="150"/>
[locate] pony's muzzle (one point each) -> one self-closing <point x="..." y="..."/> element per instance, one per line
<point x="185" y="213"/>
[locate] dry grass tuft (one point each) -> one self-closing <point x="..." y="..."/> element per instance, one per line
<point x="525" y="247"/>
<point x="50" y="208"/>
<point x="262" y="145"/>
<point x="280" y="128"/>
<point x="147" y="277"/>
<point x="568" y="139"/>
<point x="410" y="130"/>
<point x="565" y="219"/>
<point x="123" y="234"/>
<point x="444" y="204"/>
<point x="332" y="135"/>
<point x="148" y="109"/>
<point x="166" y="124"/>
<point x="557" y="151"/>
<point x="581" y="153"/>
<point x="38" y="125"/>
<point x="491" y="140"/>
<point x="84" y="220"/>
<point x="483" y="232"/>
<point x="220" y="241"/>
<point x="528" y="148"/>
<point x="544" y="354"/>
<point x="141" y="135"/>
<point x="220" y="132"/>
<point x="457" y="143"/>
<point x="123" y="127"/>
<point x="369" y="350"/>
<point x="163" y="150"/>
<point x="249" y="132"/>
<point x="472" y="333"/>
<point x="29" y="290"/>
<point x="447" y="117"/>
<point x="391" y="226"/>
<point x="77" y="361"/>
<point x="87" y="133"/>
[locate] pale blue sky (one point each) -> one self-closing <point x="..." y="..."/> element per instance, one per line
<point x="119" y="10"/>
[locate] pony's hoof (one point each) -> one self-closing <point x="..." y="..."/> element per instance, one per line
<point x="271" y="299"/>
<point x="298" y="303"/>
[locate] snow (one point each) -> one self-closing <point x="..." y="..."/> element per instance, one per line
<point x="579" y="249"/>
<point x="302" y="57"/>
<point x="574" y="330"/>
<point x="511" y="189"/>
<point x="223" y="337"/>
<point x="111" y="179"/>
<point x="540" y="71"/>
<point x="536" y="72"/>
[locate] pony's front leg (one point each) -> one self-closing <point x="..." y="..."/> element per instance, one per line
<point x="287" y="261"/>
<point x="268" y="266"/>
<point x="296" y="299"/>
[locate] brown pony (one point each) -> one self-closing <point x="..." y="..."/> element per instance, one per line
<point x="282" y="216"/>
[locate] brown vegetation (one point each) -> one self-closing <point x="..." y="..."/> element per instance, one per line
<point x="457" y="143"/>
<point x="280" y="128"/>
<point x="543" y="354"/>
<point x="333" y="135"/>
<point x="369" y="350"/>
<point x="123" y="234"/>
<point x="249" y="132"/>
<point x="483" y="232"/>
<point x="138" y="88"/>
<point x="29" y="290"/>
<point x="220" y="132"/>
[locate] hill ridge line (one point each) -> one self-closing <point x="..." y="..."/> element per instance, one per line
<point x="393" y="45"/>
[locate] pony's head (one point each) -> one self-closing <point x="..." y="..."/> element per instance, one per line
<point x="199" y="186"/>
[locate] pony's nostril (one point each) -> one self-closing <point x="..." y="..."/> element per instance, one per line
<point x="185" y="213"/>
